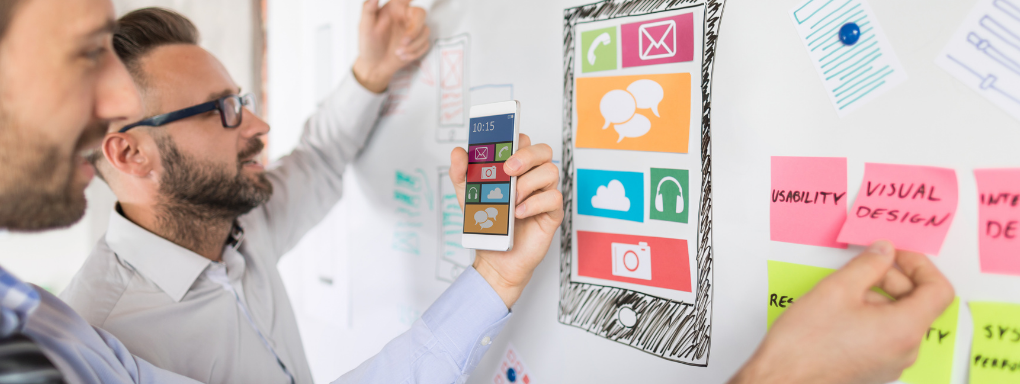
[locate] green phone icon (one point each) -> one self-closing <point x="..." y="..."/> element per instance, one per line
<point x="598" y="50"/>
<point x="503" y="151"/>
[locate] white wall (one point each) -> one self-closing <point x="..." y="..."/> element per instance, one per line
<point x="52" y="258"/>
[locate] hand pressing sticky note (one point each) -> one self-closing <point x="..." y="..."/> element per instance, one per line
<point x="934" y="363"/>
<point x="910" y="205"/>
<point x="788" y="282"/>
<point x="808" y="200"/>
<point x="995" y="352"/>
<point x="999" y="220"/>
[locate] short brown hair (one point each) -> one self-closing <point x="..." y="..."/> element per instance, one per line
<point x="143" y="30"/>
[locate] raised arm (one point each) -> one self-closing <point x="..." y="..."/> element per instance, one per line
<point x="309" y="181"/>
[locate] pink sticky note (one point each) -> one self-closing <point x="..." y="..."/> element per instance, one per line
<point x="912" y="206"/>
<point x="808" y="200"/>
<point x="999" y="220"/>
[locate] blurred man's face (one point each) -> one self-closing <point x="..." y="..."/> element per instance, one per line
<point x="61" y="85"/>
<point x="207" y="170"/>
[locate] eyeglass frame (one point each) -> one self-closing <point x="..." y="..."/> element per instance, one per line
<point x="195" y="110"/>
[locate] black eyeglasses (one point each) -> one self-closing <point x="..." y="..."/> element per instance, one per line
<point x="230" y="107"/>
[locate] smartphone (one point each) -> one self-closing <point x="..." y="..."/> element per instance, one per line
<point x="490" y="194"/>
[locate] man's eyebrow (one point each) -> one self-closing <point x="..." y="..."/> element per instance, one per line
<point x="109" y="27"/>
<point x="224" y="93"/>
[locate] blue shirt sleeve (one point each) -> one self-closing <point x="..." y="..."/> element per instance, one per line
<point x="446" y="344"/>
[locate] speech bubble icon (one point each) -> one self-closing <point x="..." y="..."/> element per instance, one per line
<point x="487" y="224"/>
<point x="492" y="212"/>
<point x="636" y="127"/>
<point x="617" y="106"/>
<point x="480" y="217"/>
<point x="647" y="94"/>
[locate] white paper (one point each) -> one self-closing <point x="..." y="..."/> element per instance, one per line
<point x="985" y="53"/>
<point x="852" y="75"/>
<point x="511" y="369"/>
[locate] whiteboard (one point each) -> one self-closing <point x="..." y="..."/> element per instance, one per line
<point x="381" y="256"/>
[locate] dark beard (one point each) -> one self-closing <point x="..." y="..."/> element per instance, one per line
<point x="194" y="195"/>
<point x="38" y="190"/>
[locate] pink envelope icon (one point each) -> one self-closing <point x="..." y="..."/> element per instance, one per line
<point x="659" y="41"/>
<point x="481" y="153"/>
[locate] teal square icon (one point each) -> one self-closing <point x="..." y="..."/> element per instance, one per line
<point x="503" y="151"/>
<point x="670" y="198"/>
<point x="598" y="50"/>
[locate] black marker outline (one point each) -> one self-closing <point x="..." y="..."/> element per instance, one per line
<point x="673" y="330"/>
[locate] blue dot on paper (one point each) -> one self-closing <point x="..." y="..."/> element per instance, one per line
<point x="511" y="375"/>
<point x="850" y="33"/>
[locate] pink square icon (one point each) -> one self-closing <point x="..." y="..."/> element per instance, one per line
<point x="809" y="200"/>
<point x="481" y="153"/>
<point x="659" y="41"/>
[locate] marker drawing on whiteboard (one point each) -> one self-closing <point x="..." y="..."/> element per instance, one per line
<point x="673" y="329"/>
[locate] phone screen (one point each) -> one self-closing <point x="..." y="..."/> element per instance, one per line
<point x="487" y="193"/>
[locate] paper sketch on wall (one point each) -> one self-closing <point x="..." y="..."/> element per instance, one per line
<point x="985" y="53"/>
<point x="654" y="294"/>
<point x="413" y="198"/>
<point x="452" y="258"/>
<point x="452" y="56"/>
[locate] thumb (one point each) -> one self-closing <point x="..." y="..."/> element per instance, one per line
<point x="866" y="270"/>
<point x="458" y="172"/>
<point x="369" y="11"/>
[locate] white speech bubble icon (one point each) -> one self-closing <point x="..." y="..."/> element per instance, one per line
<point x="492" y="212"/>
<point x="647" y="94"/>
<point x="617" y="106"/>
<point x="486" y="224"/>
<point x="636" y="127"/>
<point x="480" y="217"/>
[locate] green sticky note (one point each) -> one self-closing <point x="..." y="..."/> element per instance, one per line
<point x="598" y="50"/>
<point x="934" y="363"/>
<point x="995" y="352"/>
<point x="788" y="282"/>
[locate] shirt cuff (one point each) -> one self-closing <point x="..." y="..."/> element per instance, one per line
<point x="466" y="319"/>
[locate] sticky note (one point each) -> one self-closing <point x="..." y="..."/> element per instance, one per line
<point x="995" y="351"/>
<point x="912" y="206"/>
<point x="934" y="363"/>
<point x="808" y="202"/>
<point x="999" y="220"/>
<point x="788" y="282"/>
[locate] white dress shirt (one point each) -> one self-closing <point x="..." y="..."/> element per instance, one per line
<point x="233" y="322"/>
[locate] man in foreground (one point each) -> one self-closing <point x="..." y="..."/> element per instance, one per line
<point x="53" y="101"/>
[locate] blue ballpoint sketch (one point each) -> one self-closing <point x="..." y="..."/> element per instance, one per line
<point x="852" y="74"/>
<point x="985" y="53"/>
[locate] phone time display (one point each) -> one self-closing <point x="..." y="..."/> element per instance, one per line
<point x="491" y="129"/>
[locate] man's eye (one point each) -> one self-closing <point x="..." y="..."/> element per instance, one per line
<point x="95" y="54"/>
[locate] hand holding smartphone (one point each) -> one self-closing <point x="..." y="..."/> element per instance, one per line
<point x="490" y="194"/>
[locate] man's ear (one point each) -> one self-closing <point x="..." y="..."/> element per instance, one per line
<point x="124" y="153"/>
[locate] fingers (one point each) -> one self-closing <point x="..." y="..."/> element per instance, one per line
<point x="864" y="271"/>
<point x="523" y="141"/>
<point x="932" y="291"/>
<point x="416" y="48"/>
<point x="876" y="298"/>
<point x="550" y="201"/>
<point x="896" y="284"/>
<point x="527" y="158"/>
<point x="369" y="10"/>
<point x="414" y="23"/>
<point x="544" y="177"/>
<point x="458" y="172"/>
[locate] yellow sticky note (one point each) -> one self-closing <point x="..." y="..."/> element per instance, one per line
<point x="788" y="282"/>
<point x="995" y="352"/>
<point x="934" y="363"/>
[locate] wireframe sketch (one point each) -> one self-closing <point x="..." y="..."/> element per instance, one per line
<point x="452" y="57"/>
<point x="985" y="53"/>
<point x="600" y="39"/>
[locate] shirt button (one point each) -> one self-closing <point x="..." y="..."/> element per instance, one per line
<point x="486" y="340"/>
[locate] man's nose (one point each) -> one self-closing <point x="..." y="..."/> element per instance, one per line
<point x="117" y="98"/>
<point x="252" y="125"/>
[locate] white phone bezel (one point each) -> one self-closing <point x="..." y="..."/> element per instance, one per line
<point x="497" y="242"/>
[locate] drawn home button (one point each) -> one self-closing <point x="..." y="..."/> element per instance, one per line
<point x="626" y="316"/>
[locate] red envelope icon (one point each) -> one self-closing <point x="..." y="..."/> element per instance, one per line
<point x="659" y="41"/>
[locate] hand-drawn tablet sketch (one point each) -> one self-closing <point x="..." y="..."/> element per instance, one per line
<point x="453" y="54"/>
<point x="636" y="253"/>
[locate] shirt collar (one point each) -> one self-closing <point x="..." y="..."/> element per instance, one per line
<point x="171" y="267"/>
<point x="17" y="301"/>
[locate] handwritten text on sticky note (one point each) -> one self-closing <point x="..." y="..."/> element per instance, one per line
<point x="808" y="200"/>
<point x="787" y="282"/>
<point x="934" y="363"/>
<point x="999" y="220"/>
<point x="995" y="352"/>
<point x="912" y="206"/>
